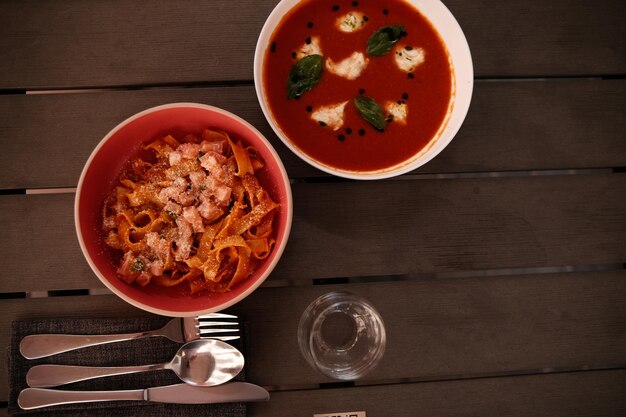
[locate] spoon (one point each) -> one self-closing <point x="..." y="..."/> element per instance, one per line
<point x="203" y="363"/>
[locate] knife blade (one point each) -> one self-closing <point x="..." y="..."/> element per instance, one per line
<point x="31" y="398"/>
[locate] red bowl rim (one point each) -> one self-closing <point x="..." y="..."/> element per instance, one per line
<point x="281" y="240"/>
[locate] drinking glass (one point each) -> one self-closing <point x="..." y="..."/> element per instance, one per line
<point x="342" y="335"/>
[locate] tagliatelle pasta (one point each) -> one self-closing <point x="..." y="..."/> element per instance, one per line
<point x="191" y="212"/>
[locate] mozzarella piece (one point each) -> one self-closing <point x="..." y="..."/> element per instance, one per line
<point x="408" y="58"/>
<point x="310" y="47"/>
<point x="399" y="111"/>
<point x="331" y="115"/>
<point x="349" y="68"/>
<point x="351" y="22"/>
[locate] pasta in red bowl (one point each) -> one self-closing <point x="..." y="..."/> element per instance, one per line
<point x="183" y="209"/>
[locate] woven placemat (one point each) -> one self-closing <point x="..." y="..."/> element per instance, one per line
<point x="133" y="352"/>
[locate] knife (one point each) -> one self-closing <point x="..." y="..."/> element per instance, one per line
<point x="31" y="398"/>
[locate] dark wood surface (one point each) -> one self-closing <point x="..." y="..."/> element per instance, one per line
<point x="503" y="130"/>
<point x="50" y="44"/>
<point x="498" y="267"/>
<point x="378" y="228"/>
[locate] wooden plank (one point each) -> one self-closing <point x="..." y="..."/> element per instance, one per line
<point x="446" y="329"/>
<point x="91" y="43"/>
<point x="407" y="227"/>
<point x="436" y="329"/>
<point x="538" y="125"/>
<point x="57" y="133"/>
<point x="123" y="42"/>
<point x="535" y="38"/>
<point x="561" y="395"/>
<point x="40" y="243"/>
<point x="355" y="229"/>
<point x="511" y="126"/>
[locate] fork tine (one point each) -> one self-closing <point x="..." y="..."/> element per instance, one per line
<point x="217" y="323"/>
<point x="203" y="332"/>
<point x="222" y="338"/>
<point x="205" y="327"/>
<point x="216" y="316"/>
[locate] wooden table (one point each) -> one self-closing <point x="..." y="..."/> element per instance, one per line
<point x="498" y="267"/>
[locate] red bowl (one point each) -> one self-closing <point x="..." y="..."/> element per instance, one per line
<point x="101" y="173"/>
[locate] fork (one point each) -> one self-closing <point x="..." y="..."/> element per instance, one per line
<point x="182" y="329"/>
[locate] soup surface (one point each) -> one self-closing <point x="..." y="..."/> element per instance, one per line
<point x="378" y="59"/>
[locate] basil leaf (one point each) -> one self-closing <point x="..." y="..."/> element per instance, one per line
<point x="383" y="39"/>
<point x="304" y="75"/>
<point x="371" y="112"/>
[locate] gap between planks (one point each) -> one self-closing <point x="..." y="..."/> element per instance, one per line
<point x="286" y="283"/>
<point x="446" y="378"/>
<point x="405" y="177"/>
<point x="237" y="83"/>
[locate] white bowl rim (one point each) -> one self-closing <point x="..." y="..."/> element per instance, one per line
<point x="458" y="50"/>
<point x="279" y="250"/>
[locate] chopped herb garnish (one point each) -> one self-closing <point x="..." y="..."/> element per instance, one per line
<point x="304" y="75"/>
<point x="137" y="266"/>
<point x="371" y="112"/>
<point x="383" y="39"/>
<point x="173" y="215"/>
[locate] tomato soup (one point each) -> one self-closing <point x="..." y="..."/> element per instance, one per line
<point x="382" y="87"/>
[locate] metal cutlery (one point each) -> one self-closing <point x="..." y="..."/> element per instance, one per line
<point x="31" y="398"/>
<point x="179" y="330"/>
<point x="204" y="362"/>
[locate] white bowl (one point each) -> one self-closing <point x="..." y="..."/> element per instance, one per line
<point x="462" y="85"/>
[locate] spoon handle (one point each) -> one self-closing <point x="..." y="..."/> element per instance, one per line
<point x="44" y="376"/>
